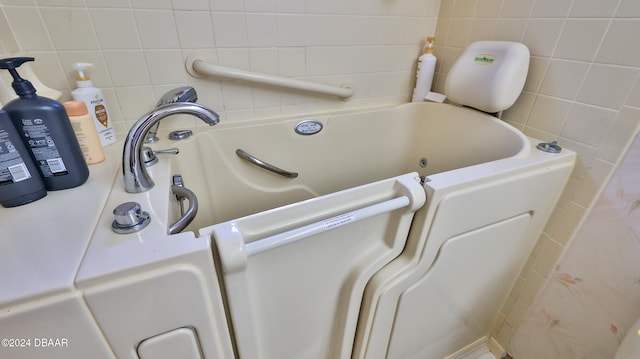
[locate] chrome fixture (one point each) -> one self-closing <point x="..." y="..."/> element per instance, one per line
<point x="260" y="163"/>
<point x="149" y="157"/>
<point x="129" y="218"/>
<point x="180" y="135"/>
<point x="136" y="178"/>
<point x="177" y="181"/>
<point x="551" y="147"/>
<point x="308" y="127"/>
<point x="180" y="94"/>
<point x="182" y="193"/>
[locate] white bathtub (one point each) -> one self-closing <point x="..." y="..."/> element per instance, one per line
<point x="400" y="237"/>
<point x="352" y="149"/>
<point x="489" y="194"/>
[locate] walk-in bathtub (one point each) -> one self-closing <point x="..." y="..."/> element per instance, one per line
<point x="392" y="232"/>
<point x="488" y="195"/>
<point x="351" y="149"/>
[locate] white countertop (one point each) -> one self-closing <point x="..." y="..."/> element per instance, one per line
<point x="63" y="242"/>
<point x="42" y="243"/>
<point x="112" y="256"/>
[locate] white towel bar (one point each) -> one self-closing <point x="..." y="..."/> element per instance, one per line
<point x="303" y="232"/>
<point x="198" y="68"/>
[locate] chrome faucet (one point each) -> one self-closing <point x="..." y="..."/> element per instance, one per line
<point x="180" y="94"/>
<point x="136" y="178"/>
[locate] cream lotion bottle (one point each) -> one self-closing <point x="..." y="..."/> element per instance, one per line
<point x="424" y="73"/>
<point x="46" y="132"/>
<point x="96" y="104"/>
<point x="85" y="131"/>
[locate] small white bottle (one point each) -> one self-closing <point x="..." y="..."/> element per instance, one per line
<point x="97" y="106"/>
<point x="424" y="73"/>
<point x="85" y="130"/>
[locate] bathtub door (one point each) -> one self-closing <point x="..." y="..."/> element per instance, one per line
<point x="294" y="276"/>
<point x="464" y="254"/>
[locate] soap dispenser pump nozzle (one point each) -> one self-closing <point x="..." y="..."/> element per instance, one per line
<point x="21" y="86"/>
<point x="81" y="67"/>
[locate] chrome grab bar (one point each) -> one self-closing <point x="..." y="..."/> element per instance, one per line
<point x="177" y="180"/>
<point x="191" y="212"/>
<point x="247" y="157"/>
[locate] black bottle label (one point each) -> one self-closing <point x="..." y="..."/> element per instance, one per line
<point x="12" y="167"/>
<point x="43" y="148"/>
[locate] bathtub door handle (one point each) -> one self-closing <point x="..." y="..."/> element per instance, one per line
<point x="241" y="238"/>
<point x="269" y="167"/>
<point x="190" y="214"/>
<point x="309" y="230"/>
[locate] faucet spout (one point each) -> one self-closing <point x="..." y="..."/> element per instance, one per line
<point x="180" y="94"/>
<point x="136" y="178"/>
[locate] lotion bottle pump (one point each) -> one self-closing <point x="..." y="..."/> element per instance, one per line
<point x="96" y="104"/>
<point x="424" y="73"/>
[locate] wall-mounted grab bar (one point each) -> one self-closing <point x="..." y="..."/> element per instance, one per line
<point x="309" y="230"/>
<point x="269" y="167"/>
<point x="198" y="68"/>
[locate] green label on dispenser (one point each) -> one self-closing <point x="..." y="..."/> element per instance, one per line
<point x="484" y="59"/>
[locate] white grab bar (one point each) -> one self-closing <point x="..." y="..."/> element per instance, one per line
<point x="197" y="68"/>
<point x="303" y="232"/>
<point x="371" y="223"/>
<point x="240" y="238"/>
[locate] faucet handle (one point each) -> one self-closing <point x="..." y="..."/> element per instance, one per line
<point x="149" y="157"/>
<point x="129" y="218"/>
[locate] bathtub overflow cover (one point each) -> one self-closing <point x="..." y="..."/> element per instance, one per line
<point x="308" y="127"/>
<point x="551" y="147"/>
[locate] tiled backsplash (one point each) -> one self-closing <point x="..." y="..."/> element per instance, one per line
<point x="139" y="47"/>
<point x="582" y="90"/>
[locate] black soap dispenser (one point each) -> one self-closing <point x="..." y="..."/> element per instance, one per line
<point x="20" y="181"/>
<point x="46" y="132"/>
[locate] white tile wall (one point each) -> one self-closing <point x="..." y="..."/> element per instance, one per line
<point x="563" y="79"/>
<point x="593" y="8"/>
<point x="110" y="37"/>
<point x="582" y="90"/>
<point x="607" y="86"/>
<point x="628" y="8"/>
<point x="590" y="31"/>
<point x="68" y="28"/>
<point x="27" y="32"/>
<point x="157" y="29"/>
<point x="139" y="47"/>
<point x="189" y="23"/>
